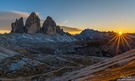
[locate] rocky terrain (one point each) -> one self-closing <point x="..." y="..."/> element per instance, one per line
<point x="5" y="53"/>
<point x="39" y="43"/>
<point x="33" y="66"/>
<point x="34" y="53"/>
<point x="41" y="55"/>
<point x="62" y="62"/>
<point x="118" y="68"/>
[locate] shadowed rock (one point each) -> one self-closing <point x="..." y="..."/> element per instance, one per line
<point x="59" y="30"/>
<point x="32" y="23"/>
<point x="18" y="26"/>
<point x="49" y="26"/>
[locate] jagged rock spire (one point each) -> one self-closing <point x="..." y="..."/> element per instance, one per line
<point x="49" y="26"/>
<point x="32" y="23"/>
<point x="18" y="26"/>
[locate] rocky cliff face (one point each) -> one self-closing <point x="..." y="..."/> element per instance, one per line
<point x="59" y="30"/>
<point x="49" y="26"/>
<point x="32" y="23"/>
<point x="18" y="26"/>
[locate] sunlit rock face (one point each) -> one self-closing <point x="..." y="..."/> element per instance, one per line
<point x="18" y="26"/>
<point x="32" y="23"/>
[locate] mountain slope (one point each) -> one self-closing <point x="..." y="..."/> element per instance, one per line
<point x="112" y="69"/>
<point x="5" y="53"/>
<point x="36" y="66"/>
<point x="89" y="34"/>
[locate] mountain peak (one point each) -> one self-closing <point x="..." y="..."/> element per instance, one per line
<point x="33" y="13"/>
<point x="49" y="17"/>
<point x="32" y="25"/>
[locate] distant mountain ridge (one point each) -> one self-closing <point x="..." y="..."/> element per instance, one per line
<point x="88" y="34"/>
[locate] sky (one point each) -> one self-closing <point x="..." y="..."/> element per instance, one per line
<point x="102" y="15"/>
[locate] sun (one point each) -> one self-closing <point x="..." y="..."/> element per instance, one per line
<point x="120" y="40"/>
<point x="120" y="33"/>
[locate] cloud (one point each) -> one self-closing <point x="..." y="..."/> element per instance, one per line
<point x="71" y="30"/>
<point x="6" y="18"/>
<point x="66" y="21"/>
<point x="24" y="14"/>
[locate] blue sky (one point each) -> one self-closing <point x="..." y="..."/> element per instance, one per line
<point x="104" y="15"/>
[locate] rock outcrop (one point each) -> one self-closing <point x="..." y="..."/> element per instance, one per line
<point x="109" y="70"/>
<point x="18" y="26"/>
<point x="49" y="26"/>
<point x="59" y="30"/>
<point x="32" y="23"/>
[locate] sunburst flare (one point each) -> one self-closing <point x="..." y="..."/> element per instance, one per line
<point x="120" y="39"/>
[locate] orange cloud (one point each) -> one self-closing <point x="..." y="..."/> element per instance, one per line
<point x="4" y="31"/>
<point x="71" y="30"/>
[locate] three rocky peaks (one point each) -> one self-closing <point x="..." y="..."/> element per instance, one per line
<point x="33" y="25"/>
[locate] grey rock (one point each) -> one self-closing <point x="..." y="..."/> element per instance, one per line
<point x="18" y="26"/>
<point x="59" y="30"/>
<point x="49" y="26"/>
<point x="32" y="23"/>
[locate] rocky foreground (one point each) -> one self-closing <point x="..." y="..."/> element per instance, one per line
<point x="67" y="67"/>
<point x="31" y="57"/>
<point x="42" y="57"/>
<point x="41" y="67"/>
<point x="117" y="68"/>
